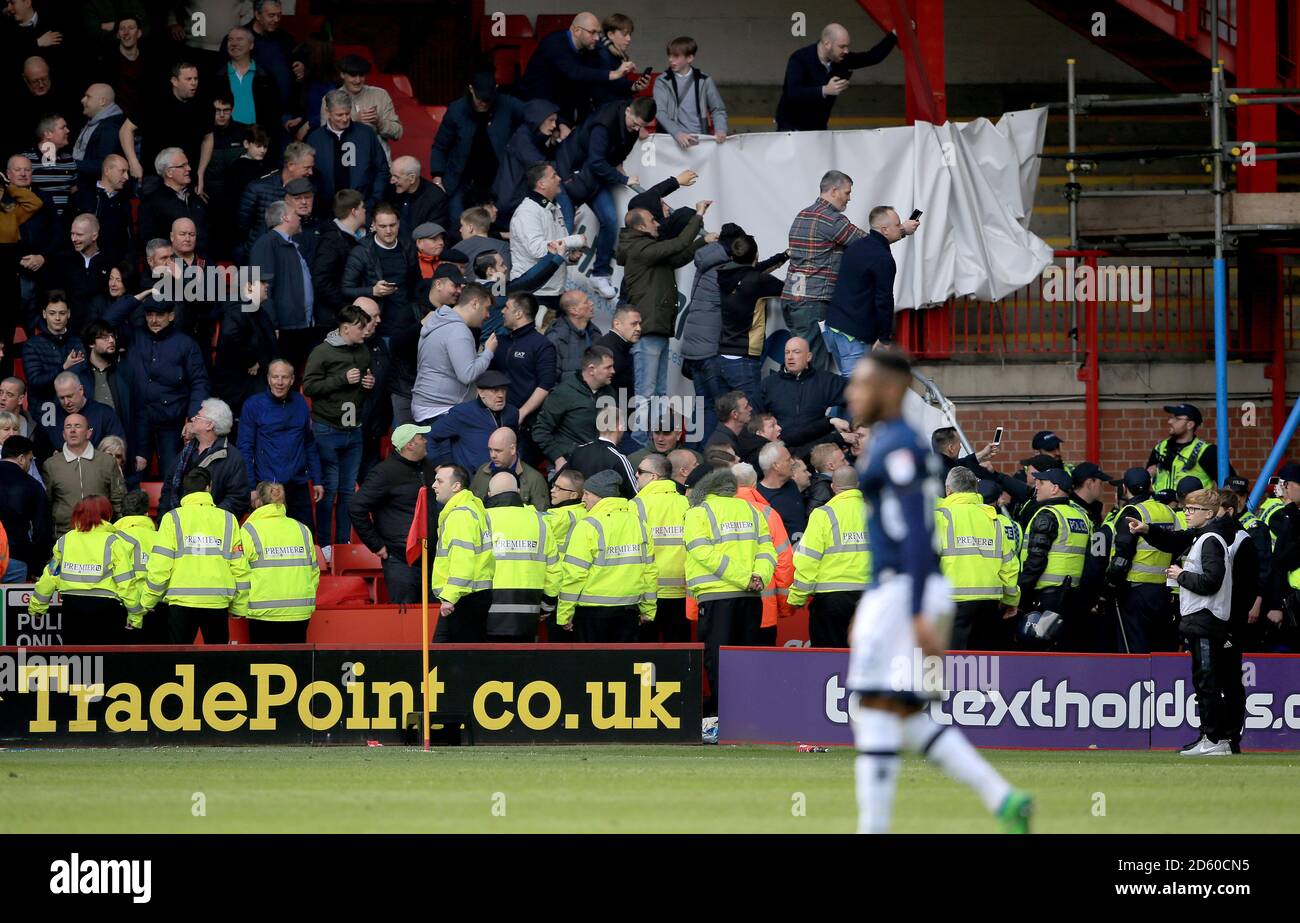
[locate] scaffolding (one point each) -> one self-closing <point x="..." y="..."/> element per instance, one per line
<point x="1217" y="157"/>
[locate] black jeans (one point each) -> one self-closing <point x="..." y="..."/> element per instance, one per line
<point x="1228" y="668"/>
<point x="1208" y="681"/>
<point x="605" y="624"/>
<point x="669" y="626"/>
<point x="829" y="615"/>
<point x="184" y="621"/>
<point x="93" y="620"/>
<point x="402" y="580"/>
<point x="298" y="505"/>
<point x="264" y="631"/>
<point x="735" y="620"/>
<point x="467" y="624"/>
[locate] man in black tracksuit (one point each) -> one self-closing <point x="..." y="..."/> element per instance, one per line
<point x="1213" y="637"/>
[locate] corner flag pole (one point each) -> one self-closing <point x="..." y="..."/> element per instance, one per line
<point x="424" y="629"/>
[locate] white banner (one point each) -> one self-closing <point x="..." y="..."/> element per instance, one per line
<point x="974" y="181"/>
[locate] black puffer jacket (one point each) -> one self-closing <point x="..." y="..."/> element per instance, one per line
<point x="800" y="403"/>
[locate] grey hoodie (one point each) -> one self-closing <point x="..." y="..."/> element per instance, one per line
<point x="447" y="364"/>
<point x="720" y="482"/>
<point x="699" y="327"/>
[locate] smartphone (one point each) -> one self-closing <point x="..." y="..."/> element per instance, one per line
<point x="997" y="436"/>
<point x="916" y="213"/>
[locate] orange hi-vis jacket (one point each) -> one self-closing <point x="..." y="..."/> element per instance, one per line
<point x="778" y="587"/>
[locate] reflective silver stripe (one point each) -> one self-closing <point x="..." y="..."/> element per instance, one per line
<point x="665" y="542"/>
<point x="167" y="552"/>
<point x="764" y="556"/>
<point x="784" y="545"/>
<point x="283" y="562"/>
<point x="802" y="586"/>
<point x="640" y="507"/>
<point x="807" y="552"/>
<point x="835" y="524"/>
<point x="228" y="542"/>
<point x="108" y="554"/>
<point x="281" y="603"/>
<point x="257" y="539"/>
<point x="1068" y="549"/>
<point x="600" y="541"/>
<point x="461" y="543"/>
<point x="849" y="547"/>
<point x="952" y="529"/>
<point x="518" y="556"/>
<point x="515" y="608"/>
<point x="720" y="573"/>
<point x="697" y="542"/>
<point x="672" y="581"/>
<point x="81" y="578"/>
<point x="310" y="545"/>
<point x="590" y="599"/>
<point x="831" y="587"/>
<point x="243" y="585"/>
<point x="41" y="597"/>
<point x="123" y="578"/>
<point x="970" y="552"/>
<point x="156" y="587"/>
<point x="978" y="591"/>
<point x="176" y="525"/>
<point x="1148" y="569"/>
<point x="541" y="538"/>
<point x="197" y="591"/>
<point x="576" y="562"/>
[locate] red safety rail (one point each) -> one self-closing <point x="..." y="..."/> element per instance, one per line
<point x="1178" y="323"/>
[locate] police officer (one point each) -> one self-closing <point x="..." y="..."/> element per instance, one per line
<point x="1136" y="573"/>
<point x="1283" y="596"/>
<point x="1089" y="485"/>
<point x="1260" y="536"/>
<point x="991" y="492"/>
<point x="1056" y="544"/>
<point x="663" y="510"/>
<point x="527" y="563"/>
<point x="979" y="563"/>
<point x="1184" y="452"/>
<point x="137" y="528"/>
<point x="93" y="567"/>
<point x="197" y="566"/>
<point x="832" y="561"/>
<point x="462" y="565"/>
<point x="729" y="560"/>
<point x="609" y="581"/>
<point x="282" y="568"/>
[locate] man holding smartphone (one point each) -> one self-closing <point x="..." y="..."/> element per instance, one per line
<point x="861" y="313"/>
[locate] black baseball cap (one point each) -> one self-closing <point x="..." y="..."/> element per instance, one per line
<point x="1045" y="440"/>
<point x="447" y="271"/>
<point x="492" y="379"/>
<point x="484" y="84"/>
<point x="1085" y="470"/>
<point x="1188" y="484"/>
<point x="1290" y="472"/>
<point x="1237" y="484"/>
<point x="989" y="491"/>
<point x="354" y="64"/>
<point x="1057" y="476"/>
<point x="1135" y="480"/>
<point x="1045" y="463"/>
<point x="1190" y="411"/>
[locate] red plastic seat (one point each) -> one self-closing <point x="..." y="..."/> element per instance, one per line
<point x="436" y="115"/>
<point x="355" y="559"/>
<point x="154" y="490"/>
<point x="552" y="22"/>
<point x="342" y="591"/>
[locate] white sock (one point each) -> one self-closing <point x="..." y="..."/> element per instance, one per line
<point x="878" y="736"/>
<point x="949" y="749"/>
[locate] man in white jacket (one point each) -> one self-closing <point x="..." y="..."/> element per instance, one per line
<point x="448" y="361"/>
<point x="537" y="229"/>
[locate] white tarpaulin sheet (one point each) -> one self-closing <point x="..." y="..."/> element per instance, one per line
<point x="974" y="181"/>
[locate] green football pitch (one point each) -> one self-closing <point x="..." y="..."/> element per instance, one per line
<point x="618" y="789"/>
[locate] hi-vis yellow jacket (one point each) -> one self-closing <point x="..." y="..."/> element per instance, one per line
<point x="526" y="562"/>
<point x="197" y="559"/>
<point x="974" y="553"/>
<point x="834" y="555"/>
<point x="727" y="542"/>
<point x="282" y="566"/>
<point x="100" y="562"/>
<point x="463" y="562"/>
<point x="560" y="520"/>
<point x="609" y="562"/>
<point x="141" y="531"/>
<point x="663" y="510"/>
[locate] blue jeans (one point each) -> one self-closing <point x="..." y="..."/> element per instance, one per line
<point x="847" y="350"/>
<point x="602" y="203"/>
<point x="708" y="388"/>
<point x="15" y="573"/>
<point x="738" y="375"/>
<point x="650" y="365"/>
<point x="340" y="460"/>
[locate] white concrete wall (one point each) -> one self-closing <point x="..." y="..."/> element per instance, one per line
<point x="748" y="41"/>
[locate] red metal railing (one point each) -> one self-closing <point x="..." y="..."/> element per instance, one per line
<point x="1034" y="323"/>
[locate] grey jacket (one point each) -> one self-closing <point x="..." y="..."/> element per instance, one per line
<point x="700" y="326"/>
<point x="703" y="89"/>
<point x="447" y="366"/>
<point x="570" y="344"/>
